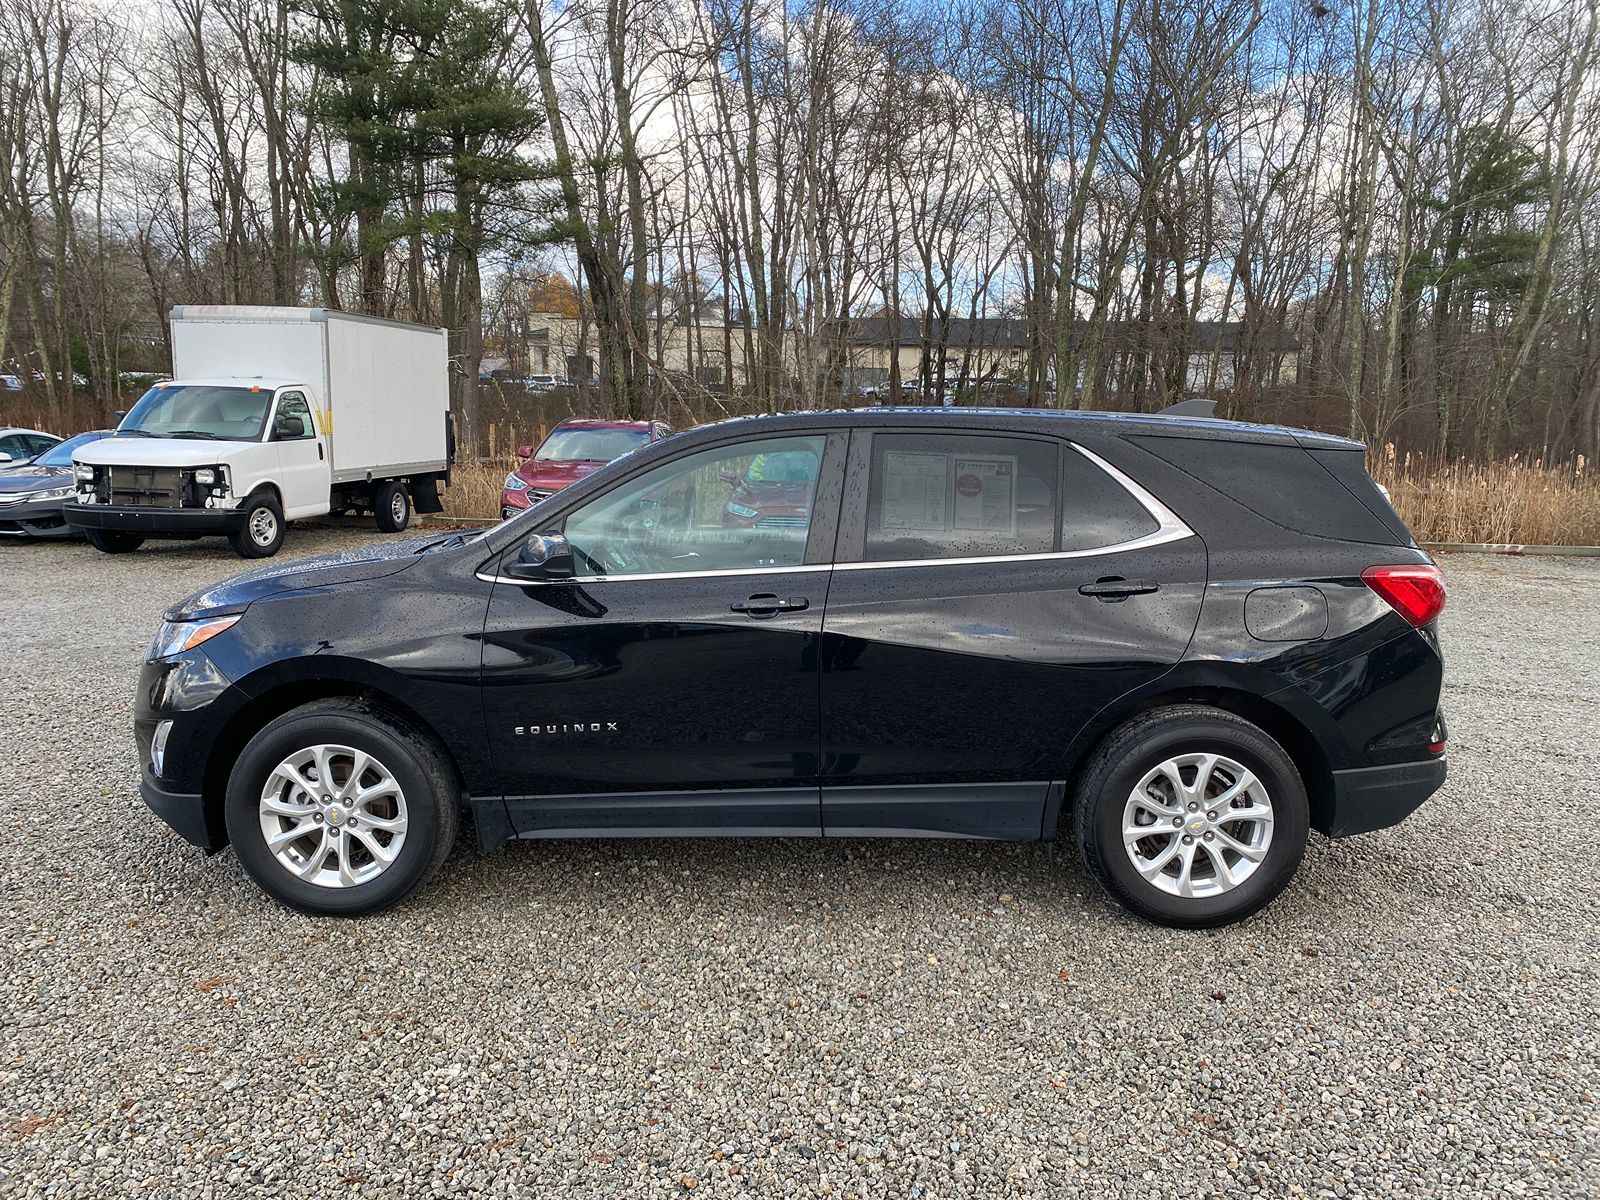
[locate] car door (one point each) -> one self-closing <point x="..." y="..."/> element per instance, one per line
<point x="992" y="592"/>
<point x="302" y="459"/>
<point x="670" y="685"/>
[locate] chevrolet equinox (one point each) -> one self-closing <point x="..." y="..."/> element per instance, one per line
<point x="1192" y="641"/>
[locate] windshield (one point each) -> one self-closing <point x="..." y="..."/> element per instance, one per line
<point x="60" y="455"/>
<point x="590" y="445"/>
<point x="201" y="411"/>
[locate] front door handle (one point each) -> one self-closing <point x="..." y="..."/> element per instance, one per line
<point x="1117" y="588"/>
<point x="767" y="605"/>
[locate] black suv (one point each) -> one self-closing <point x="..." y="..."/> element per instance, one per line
<point x="1195" y="640"/>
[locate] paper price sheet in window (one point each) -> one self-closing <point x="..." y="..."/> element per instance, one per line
<point x="944" y="493"/>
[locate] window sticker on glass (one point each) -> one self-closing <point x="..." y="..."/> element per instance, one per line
<point x="914" y="491"/>
<point x="986" y="494"/>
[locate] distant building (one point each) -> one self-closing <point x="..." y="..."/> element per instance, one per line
<point x="997" y="348"/>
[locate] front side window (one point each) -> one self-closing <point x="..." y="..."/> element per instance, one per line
<point x="937" y="495"/>
<point x="200" y="411"/>
<point x="293" y="420"/>
<point x="741" y="507"/>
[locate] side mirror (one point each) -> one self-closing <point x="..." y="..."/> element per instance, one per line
<point x="4" y="457"/>
<point x="290" y="427"/>
<point x="524" y="451"/>
<point x="543" y="556"/>
<point x="117" y="415"/>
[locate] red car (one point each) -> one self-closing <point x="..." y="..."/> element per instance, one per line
<point x="773" y="492"/>
<point x="573" y="449"/>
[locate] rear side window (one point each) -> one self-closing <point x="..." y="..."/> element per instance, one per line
<point x="934" y="495"/>
<point x="1097" y="511"/>
<point x="1282" y="483"/>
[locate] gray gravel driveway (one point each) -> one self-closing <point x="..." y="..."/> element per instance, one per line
<point x="1418" y="1016"/>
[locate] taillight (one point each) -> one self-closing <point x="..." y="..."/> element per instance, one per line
<point x="1416" y="592"/>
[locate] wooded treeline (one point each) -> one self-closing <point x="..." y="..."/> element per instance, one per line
<point x="1409" y="188"/>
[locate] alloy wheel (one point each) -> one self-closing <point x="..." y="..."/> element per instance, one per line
<point x="1197" y="825"/>
<point x="333" y="816"/>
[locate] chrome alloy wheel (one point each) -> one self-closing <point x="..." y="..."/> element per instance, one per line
<point x="263" y="526"/>
<point x="333" y="816"/>
<point x="1197" y="825"/>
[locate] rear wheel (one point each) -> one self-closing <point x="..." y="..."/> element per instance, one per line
<point x="262" y="531"/>
<point x="1191" y="816"/>
<point x="392" y="506"/>
<point x="341" y="808"/>
<point x="113" y="541"/>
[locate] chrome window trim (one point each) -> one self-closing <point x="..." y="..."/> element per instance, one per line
<point x="1169" y="528"/>
<point x="488" y="578"/>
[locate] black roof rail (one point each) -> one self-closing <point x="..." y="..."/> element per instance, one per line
<point x="1190" y="408"/>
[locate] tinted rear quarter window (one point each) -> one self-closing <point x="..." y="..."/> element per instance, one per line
<point x="1281" y="482"/>
<point x="1097" y="511"/>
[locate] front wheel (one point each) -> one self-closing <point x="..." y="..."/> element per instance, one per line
<point x="1191" y="816"/>
<point x="392" y="506"/>
<point x="341" y="808"/>
<point x="262" y="531"/>
<point x="112" y="541"/>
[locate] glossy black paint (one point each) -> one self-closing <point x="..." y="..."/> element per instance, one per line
<point x="940" y="698"/>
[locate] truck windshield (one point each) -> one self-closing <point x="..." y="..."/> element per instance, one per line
<point x="590" y="445"/>
<point x="184" y="410"/>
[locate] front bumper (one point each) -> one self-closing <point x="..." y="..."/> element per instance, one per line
<point x="36" y="518"/>
<point x="154" y="521"/>
<point x="1369" y="798"/>
<point x="185" y="812"/>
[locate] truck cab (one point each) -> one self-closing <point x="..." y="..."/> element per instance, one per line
<point x="191" y="452"/>
<point x="242" y="455"/>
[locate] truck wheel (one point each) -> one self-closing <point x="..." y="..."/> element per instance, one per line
<point x="110" y="541"/>
<point x="1191" y="816"/>
<point x="262" y="531"/>
<point x="341" y="808"/>
<point x="392" y="505"/>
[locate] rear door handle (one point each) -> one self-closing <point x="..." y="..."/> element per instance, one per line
<point x="1118" y="589"/>
<point x="768" y="605"/>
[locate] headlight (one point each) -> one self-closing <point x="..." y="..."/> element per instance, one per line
<point x="83" y="471"/>
<point x="516" y="483"/>
<point x="55" y="493"/>
<point x="205" y="475"/>
<point x="175" y="637"/>
<point x="739" y="510"/>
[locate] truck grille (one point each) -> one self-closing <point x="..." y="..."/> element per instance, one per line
<point x="147" y="487"/>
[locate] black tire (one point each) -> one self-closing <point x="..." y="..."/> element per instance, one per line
<point x="432" y="799"/>
<point x="1122" y="760"/>
<point x="392" y="507"/>
<point x="263" y="528"/>
<point x="113" y="541"/>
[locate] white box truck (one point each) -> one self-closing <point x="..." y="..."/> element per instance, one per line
<point x="273" y="414"/>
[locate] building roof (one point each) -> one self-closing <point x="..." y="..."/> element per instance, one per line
<point x="1011" y="333"/>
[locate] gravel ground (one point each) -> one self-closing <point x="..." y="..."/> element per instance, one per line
<point x="1418" y="1016"/>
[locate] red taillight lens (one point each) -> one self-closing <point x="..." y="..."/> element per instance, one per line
<point x="1415" y="592"/>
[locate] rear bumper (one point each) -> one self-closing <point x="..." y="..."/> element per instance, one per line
<point x="1369" y="798"/>
<point x="154" y="521"/>
<point x="183" y="811"/>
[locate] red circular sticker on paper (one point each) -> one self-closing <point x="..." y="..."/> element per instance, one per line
<point x="969" y="485"/>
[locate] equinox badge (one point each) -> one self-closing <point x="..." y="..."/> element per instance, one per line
<point x="577" y="727"/>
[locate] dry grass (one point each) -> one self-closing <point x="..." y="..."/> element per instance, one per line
<point x="474" y="491"/>
<point x="1520" y="501"/>
<point x="1516" y="501"/>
